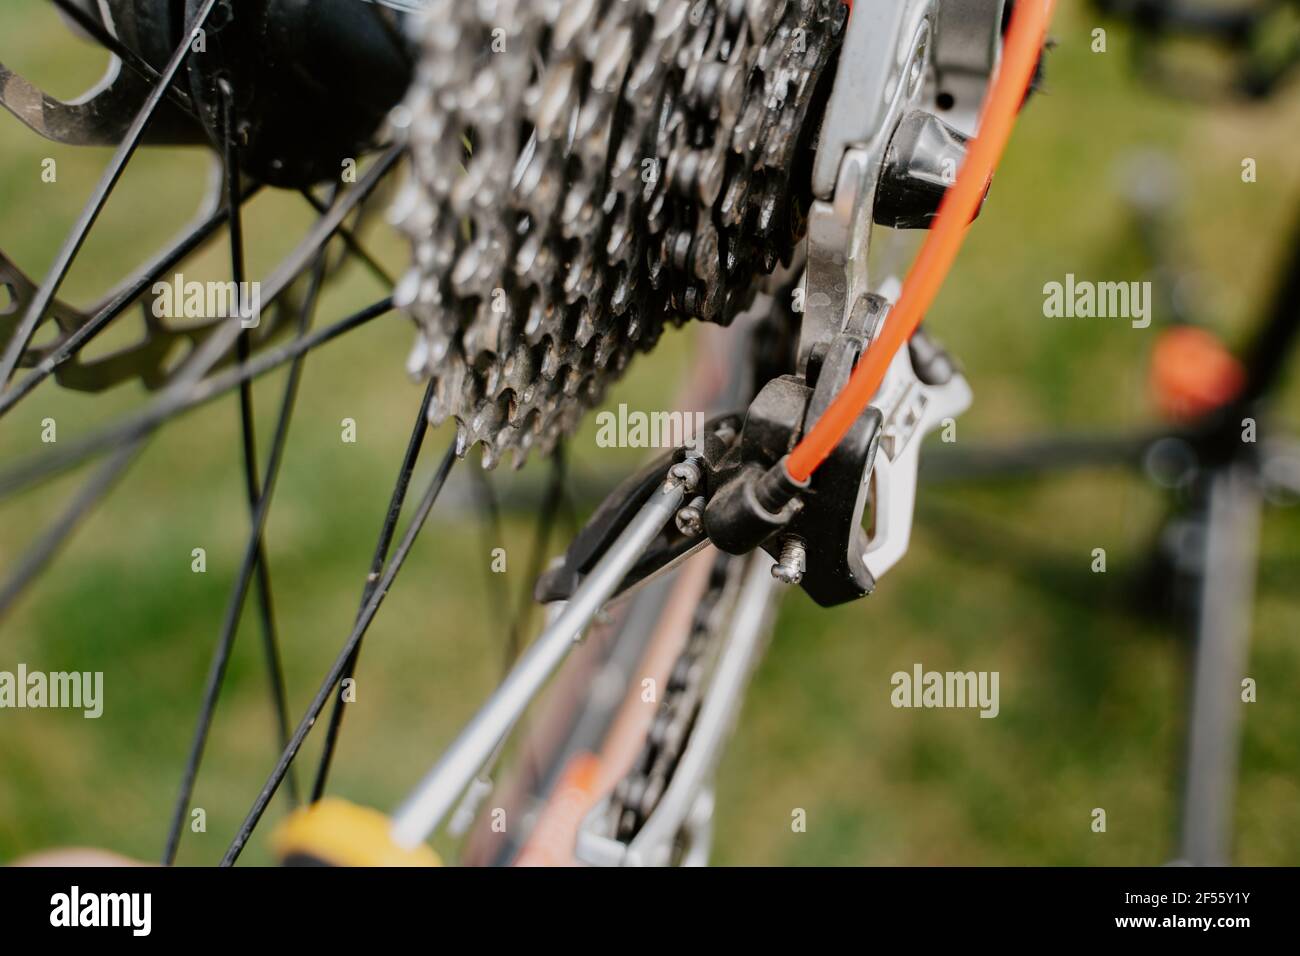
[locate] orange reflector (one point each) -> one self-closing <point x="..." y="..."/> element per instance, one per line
<point x="1192" y="373"/>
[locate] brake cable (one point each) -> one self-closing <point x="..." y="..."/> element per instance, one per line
<point x="1024" y="43"/>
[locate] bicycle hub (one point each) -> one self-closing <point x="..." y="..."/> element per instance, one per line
<point x="311" y="80"/>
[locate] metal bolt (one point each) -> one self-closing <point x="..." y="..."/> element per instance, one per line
<point x="685" y="473"/>
<point x="690" y="519"/>
<point x="790" y="568"/>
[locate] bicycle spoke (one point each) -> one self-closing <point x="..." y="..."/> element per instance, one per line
<point x="72" y="245"/>
<point x="354" y="245"/>
<point x="395" y="502"/>
<point x="133" y="431"/>
<point x="117" y="304"/>
<point x="330" y="223"/>
<point x="340" y="662"/>
<point x="537" y="554"/>
<point x="276" y="284"/>
<point x="439" y="790"/>
<point x="115" y="46"/>
<point x="185" y="384"/>
<point x="173" y="402"/>
<point x="572" y="524"/>
<point x="193" y="384"/>
<point x="490" y="515"/>
<point x="262" y="582"/>
<point x="253" y="556"/>
<point x="186" y="389"/>
<point x="40" y="553"/>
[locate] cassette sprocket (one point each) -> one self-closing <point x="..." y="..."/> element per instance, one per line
<point x="585" y="172"/>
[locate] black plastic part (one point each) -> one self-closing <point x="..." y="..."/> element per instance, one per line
<point x="827" y="515"/>
<point x="830" y="522"/>
<point x="608" y="521"/>
<point x="757" y="499"/>
<point x="313" y="80"/>
<point x="620" y="507"/>
<point x="921" y="162"/>
<point x="740" y="518"/>
<point x="931" y="362"/>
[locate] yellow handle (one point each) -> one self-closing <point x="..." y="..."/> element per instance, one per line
<point x="333" y="832"/>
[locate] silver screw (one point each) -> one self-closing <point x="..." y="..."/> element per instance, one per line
<point x="690" y="519"/>
<point x="793" y="562"/>
<point x="687" y="473"/>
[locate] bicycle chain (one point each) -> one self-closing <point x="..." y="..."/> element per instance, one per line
<point x="638" y="794"/>
<point x="584" y="172"/>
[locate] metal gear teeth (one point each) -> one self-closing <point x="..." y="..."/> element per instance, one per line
<point x="582" y="173"/>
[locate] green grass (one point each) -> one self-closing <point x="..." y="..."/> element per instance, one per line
<point x="997" y="578"/>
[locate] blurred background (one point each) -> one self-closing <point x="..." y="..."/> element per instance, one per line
<point x="998" y="576"/>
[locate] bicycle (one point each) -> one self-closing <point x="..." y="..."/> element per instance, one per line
<point x="822" y="361"/>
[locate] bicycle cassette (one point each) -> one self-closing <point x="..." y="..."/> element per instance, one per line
<point x="585" y="172"/>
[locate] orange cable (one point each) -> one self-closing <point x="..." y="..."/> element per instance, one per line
<point x="1024" y="43"/>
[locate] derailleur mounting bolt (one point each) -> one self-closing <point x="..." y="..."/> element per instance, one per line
<point x="793" y="562"/>
<point x="690" y="519"/>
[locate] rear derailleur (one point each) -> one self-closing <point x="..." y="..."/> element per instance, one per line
<point x="744" y="499"/>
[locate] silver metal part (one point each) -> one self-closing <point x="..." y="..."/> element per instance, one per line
<point x="687" y="472"/>
<point x="678" y="822"/>
<point x="967" y="48"/>
<point x="854" y="140"/>
<point x="1223" y="623"/>
<point x="793" y="563"/>
<point x="690" y="520"/>
<point x="438" y="792"/>
<point x="897" y="56"/>
<point x="480" y="788"/>
<point x="875" y="59"/>
<point x="584" y="173"/>
<point x="911" y="409"/>
<point x="99" y="117"/>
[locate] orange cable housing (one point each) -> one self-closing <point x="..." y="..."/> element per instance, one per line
<point x="1024" y="44"/>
